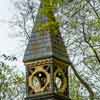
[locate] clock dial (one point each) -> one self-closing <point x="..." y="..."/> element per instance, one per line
<point x="36" y="83"/>
<point x="42" y="78"/>
<point x="39" y="80"/>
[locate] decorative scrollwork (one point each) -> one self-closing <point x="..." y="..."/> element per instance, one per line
<point x="39" y="79"/>
<point x="60" y="80"/>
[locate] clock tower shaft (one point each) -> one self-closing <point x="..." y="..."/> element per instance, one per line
<point x="46" y="59"/>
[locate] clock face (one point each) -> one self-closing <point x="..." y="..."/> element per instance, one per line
<point x="39" y="80"/>
<point x="36" y="83"/>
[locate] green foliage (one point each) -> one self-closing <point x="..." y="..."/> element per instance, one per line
<point x="95" y="38"/>
<point x="95" y="23"/>
<point x="49" y="6"/>
<point x="53" y="3"/>
<point x="49" y="26"/>
<point x="85" y="12"/>
<point x="74" y="88"/>
<point x="12" y="82"/>
<point x="74" y="24"/>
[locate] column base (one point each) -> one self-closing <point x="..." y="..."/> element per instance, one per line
<point x="49" y="96"/>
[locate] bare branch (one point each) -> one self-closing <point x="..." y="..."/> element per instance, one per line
<point x="90" y="45"/>
<point x="83" y="82"/>
<point x="88" y="1"/>
<point x="25" y="30"/>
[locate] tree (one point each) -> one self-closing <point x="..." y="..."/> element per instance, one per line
<point x="79" y="22"/>
<point x="12" y="82"/>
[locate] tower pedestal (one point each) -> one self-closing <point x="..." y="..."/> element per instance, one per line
<point x="49" y="96"/>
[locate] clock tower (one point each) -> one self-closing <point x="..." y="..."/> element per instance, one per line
<point x="46" y="59"/>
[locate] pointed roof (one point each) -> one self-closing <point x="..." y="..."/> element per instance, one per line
<point x="45" y="43"/>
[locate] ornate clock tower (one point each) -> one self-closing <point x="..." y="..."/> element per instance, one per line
<point x="46" y="60"/>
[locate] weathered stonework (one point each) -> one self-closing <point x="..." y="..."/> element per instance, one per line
<point x="46" y="62"/>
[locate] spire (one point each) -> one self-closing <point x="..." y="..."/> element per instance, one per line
<point x="46" y="40"/>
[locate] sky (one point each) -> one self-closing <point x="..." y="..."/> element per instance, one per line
<point x="8" y="44"/>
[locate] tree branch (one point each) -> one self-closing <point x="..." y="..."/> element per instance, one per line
<point x="88" y="1"/>
<point x="25" y="30"/>
<point x="83" y="82"/>
<point x="92" y="48"/>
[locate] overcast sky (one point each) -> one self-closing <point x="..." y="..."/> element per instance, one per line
<point x="8" y="45"/>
